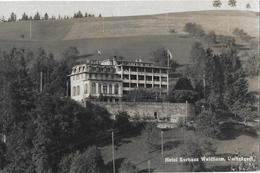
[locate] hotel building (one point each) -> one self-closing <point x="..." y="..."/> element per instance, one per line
<point x="93" y="80"/>
<point x="138" y="74"/>
<point x="112" y="79"/>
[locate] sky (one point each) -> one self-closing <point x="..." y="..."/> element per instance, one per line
<point x="116" y="8"/>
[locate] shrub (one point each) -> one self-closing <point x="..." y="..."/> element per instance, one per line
<point x="194" y="29"/>
<point x="122" y="122"/>
<point x="89" y="161"/>
<point x="127" y="167"/>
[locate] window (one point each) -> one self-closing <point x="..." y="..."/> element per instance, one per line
<point x="148" y="85"/>
<point x="93" y="88"/>
<point x="156" y="86"/>
<point x="125" y="84"/>
<point x="110" y="89"/>
<point x="141" y="69"/>
<point x="149" y="70"/>
<point x="155" y="115"/>
<point x="149" y="78"/>
<point x="86" y="88"/>
<point x="133" y="69"/>
<point x="141" y="85"/>
<point x="125" y="76"/>
<point x="141" y="77"/>
<point x="133" y="77"/>
<point x="125" y="92"/>
<point x="163" y="71"/>
<point x="105" y="89"/>
<point x="74" y="91"/>
<point x="78" y="90"/>
<point x="116" y="89"/>
<point x="156" y="70"/>
<point x="164" y="79"/>
<point x="156" y="78"/>
<point x="164" y="86"/>
<point x="133" y="85"/>
<point x="99" y="88"/>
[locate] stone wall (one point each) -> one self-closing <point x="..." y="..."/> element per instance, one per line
<point x="152" y="110"/>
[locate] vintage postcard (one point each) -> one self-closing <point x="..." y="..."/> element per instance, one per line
<point x="129" y="86"/>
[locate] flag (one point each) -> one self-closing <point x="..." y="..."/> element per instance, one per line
<point x="169" y="54"/>
<point x="99" y="52"/>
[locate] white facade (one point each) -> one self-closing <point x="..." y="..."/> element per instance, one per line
<point x="138" y="74"/>
<point x="93" y="81"/>
<point x="110" y="80"/>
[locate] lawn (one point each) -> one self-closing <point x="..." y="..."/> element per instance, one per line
<point x="134" y="149"/>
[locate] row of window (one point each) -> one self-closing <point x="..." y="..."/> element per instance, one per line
<point x="98" y="88"/>
<point x="93" y="76"/>
<point x="102" y="88"/>
<point x="134" y="85"/>
<point x="148" y="78"/>
<point x="148" y="70"/>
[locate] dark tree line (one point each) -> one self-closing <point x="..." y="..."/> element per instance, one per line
<point x="13" y="17"/>
<point x="225" y="96"/>
<point x="44" y="128"/>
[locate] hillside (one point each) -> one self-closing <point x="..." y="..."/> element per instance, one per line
<point x="132" y="37"/>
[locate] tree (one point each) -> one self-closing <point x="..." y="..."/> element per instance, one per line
<point x="232" y="3"/>
<point x="89" y="161"/>
<point x="99" y="15"/>
<point x="183" y="84"/>
<point x="127" y="167"/>
<point x="208" y="124"/>
<point x="248" y="6"/>
<point x="25" y="16"/>
<point x="12" y="17"/>
<point x="211" y="37"/>
<point x="46" y="16"/>
<point x="152" y="135"/>
<point x="253" y="66"/>
<point x="17" y="124"/>
<point x="42" y="69"/>
<point x="37" y="16"/>
<point x="78" y="15"/>
<point x="194" y="29"/>
<point x="122" y="121"/>
<point x="197" y="147"/>
<point x="163" y="57"/>
<point x="86" y="14"/>
<point x="217" y="3"/>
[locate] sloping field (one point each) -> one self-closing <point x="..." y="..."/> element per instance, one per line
<point x="222" y="22"/>
<point x="129" y="47"/>
<point x="132" y="37"/>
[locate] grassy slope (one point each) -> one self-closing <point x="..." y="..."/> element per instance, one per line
<point x="132" y="37"/>
<point x="134" y="149"/>
<point x="222" y="22"/>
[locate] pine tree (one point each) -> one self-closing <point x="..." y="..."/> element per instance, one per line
<point x="37" y="16"/>
<point x="232" y="3"/>
<point x="25" y="16"/>
<point x="46" y="16"/>
<point x="217" y="3"/>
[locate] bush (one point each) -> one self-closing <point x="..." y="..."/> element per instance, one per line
<point x="122" y="122"/>
<point x="241" y="34"/>
<point x="152" y="134"/>
<point x="89" y="161"/>
<point x="194" y="29"/>
<point x="127" y="167"/>
<point x="181" y="96"/>
<point x="197" y="147"/>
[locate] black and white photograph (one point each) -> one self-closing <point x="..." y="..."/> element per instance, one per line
<point x="128" y="86"/>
